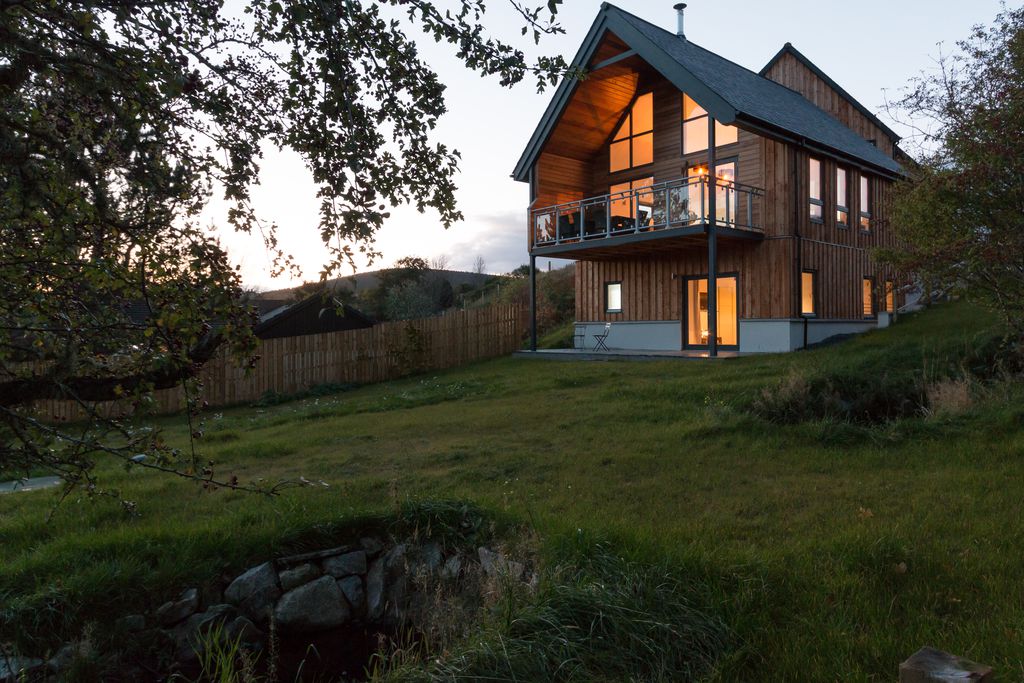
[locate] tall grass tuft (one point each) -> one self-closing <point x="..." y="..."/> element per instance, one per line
<point x="600" y="619"/>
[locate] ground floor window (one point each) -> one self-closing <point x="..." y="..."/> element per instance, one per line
<point x="890" y="297"/>
<point x="697" y="325"/>
<point x="808" y="293"/>
<point x="613" y="297"/>
<point x="868" y="288"/>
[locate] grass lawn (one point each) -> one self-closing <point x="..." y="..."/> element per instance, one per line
<point x="832" y="551"/>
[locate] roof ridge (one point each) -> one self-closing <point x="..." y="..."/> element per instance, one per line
<point x="701" y="47"/>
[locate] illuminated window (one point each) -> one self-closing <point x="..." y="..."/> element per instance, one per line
<point x="865" y="204"/>
<point x="814" y="189"/>
<point x="807" y="293"/>
<point x="842" y="197"/>
<point x="890" y="297"/>
<point x="633" y="144"/>
<point x="698" y="331"/>
<point x="868" y="288"/>
<point x="695" y="129"/>
<point x="613" y="297"/>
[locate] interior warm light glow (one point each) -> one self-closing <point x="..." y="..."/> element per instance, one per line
<point x="807" y="293"/>
<point x="619" y="156"/>
<point x="643" y="150"/>
<point x="869" y="303"/>
<point x="643" y="114"/>
<point x="695" y="129"/>
<point x="697" y="328"/>
<point x="633" y="143"/>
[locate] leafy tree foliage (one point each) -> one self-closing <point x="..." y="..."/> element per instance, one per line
<point x="120" y="120"/>
<point x="961" y="214"/>
<point x="556" y="295"/>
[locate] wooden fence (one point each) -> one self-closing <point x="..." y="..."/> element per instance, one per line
<point x="383" y="352"/>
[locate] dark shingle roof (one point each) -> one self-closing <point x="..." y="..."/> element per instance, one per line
<point x="758" y="98"/>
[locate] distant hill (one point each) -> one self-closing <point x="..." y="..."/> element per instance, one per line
<point x="361" y="282"/>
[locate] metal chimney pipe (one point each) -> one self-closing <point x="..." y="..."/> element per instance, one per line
<point x="679" y="17"/>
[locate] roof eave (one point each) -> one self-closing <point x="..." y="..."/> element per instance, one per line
<point x="765" y="128"/>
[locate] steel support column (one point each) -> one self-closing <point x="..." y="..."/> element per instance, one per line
<point x="533" y="302"/>
<point x="712" y="189"/>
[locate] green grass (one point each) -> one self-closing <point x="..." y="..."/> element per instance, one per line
<point x="800" y="533"/>
<point x="559" y="337"/>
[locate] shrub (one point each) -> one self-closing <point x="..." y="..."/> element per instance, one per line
<point x="851" y="396"/>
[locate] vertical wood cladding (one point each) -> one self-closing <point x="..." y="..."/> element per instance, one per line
<point x="651" y="292"/>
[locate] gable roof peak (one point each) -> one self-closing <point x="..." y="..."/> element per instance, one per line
<point x="790" y="49"/>
<point x="726" y="90"/>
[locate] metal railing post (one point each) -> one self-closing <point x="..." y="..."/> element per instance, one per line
<point x="728" y="205"/>
<point x="702" y="186"/>
<point x="634" y="209"/>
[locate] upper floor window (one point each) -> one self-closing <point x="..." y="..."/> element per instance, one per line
<point x="865" y="204"/>
<point x="633" y="144"/>
<point x="814" y="189"/>
<point x="842" y="197"/>
<point x="695" y="129"/>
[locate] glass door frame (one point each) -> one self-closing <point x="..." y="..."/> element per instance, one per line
<point x="684" y="321"/>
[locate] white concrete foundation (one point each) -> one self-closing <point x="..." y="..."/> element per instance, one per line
<point x="756" y="336"/>
<point x="640" y="336"/>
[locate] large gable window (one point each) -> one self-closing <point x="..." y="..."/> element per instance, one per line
<point x="633" y="144"/>
<point x="695" y="129"/>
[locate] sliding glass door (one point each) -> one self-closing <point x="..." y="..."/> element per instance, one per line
<point x="695" y="313"/>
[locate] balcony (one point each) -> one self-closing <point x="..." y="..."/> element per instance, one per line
<point x="675" y="209"/>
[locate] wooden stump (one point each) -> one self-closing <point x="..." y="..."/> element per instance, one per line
<point x="929" y="665"/>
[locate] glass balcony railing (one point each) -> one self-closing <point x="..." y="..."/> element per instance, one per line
<point x="672" y="204"/>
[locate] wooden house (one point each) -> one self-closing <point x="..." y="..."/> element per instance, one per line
<point x="708" y="206"/>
